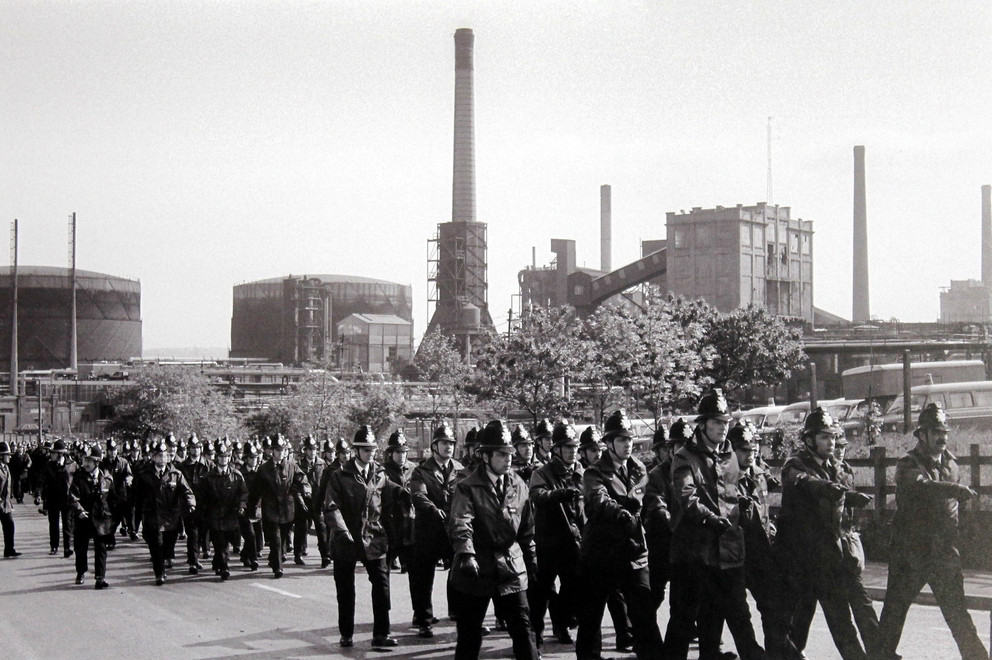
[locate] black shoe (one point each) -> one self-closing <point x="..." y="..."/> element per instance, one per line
<point x="133" y="536"/>
<point x="101" y="584"/>
<point x="305" y="553"/>
<point x="325" y="562"/>
<point x="253" y="565"/>
<point x="79" y="578"/>
<point x="277" y="573"/>
<point x="299" y="561"/>
<point x="486" y="630"/>
<point x="426" y="632"/>
<point x="168" y="563"/>
<point x="160" y="580"/>
<point x="563" y="636"/>
<point x="224" y="575"/>
<point x="193" y="569"/>
<point x="625" y="644"/>
<point x="54" y="551"/>
<point x="123" y="532"/>
<point x="112" y="545"/>
<point x="346" y="643"/>
<point x="11" y="554"/>
<point x="67" y="554"/>
<point x="500" y="624"/>
<point x="385" y="641"/>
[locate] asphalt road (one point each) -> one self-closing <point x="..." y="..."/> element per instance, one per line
<point x="44" y="615"/>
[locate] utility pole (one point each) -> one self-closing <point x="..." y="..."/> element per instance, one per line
<point x="15" y="388"/>
<point x="73" y="358"/>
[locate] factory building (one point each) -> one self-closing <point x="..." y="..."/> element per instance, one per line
<point x="108" y="317"/>
<point x="971" y="300"/>
<point x="375" y="343"/>
<point x="733" y="257"/>
<point x="295" y="319"/>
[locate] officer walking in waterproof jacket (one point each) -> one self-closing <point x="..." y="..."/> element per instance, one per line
<point x="356" y="496"/>
<point x="708" y="584"/>
<point x="163" y="496"/>
<point x="195" y="468"/>
<point x="523" y="457"/>
<point x="224" y="500"/>
<point x="432" y="485"/>
<point x="92" y="502"/>
<point x="120" y="469"/>
<point x="556" y="496"/>
<point x="925" y="537"/>
<point x="55" y="493"/>
<point x="7" y="504"/>
<point x="492" y="534"/>
<point x="657" y="515"/>
<point x="399" y="516"/>
<point x="250" y="521"/>
<point x="278" y="484"/>
<point x="306" y="512"/>
<point x="810" y="542"/>
<point x="614" y="550"/>
<point x="763" y="574"/>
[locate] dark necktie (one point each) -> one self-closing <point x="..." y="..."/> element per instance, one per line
<point x="622" y="473"/>
<point x="499" y="489"/>
<point x="446" y="471"/>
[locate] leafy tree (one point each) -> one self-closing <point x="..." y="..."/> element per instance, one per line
<point x="319" y="404"/>
<point x="377" y="404"/>
<point x="752" y="348"/>
<point x="176" y="399"/>
<point x="441" y="366"/>
<point x="526" y="369"/>
<point x="607" y="345"/>
<point x="276" y="418"/>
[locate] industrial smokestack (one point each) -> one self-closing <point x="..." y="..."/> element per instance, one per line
<point x="463" y="179"/>
<point x="605" y="229"/>
<point x="14" y="368"/>
<point x="73" y="338"/>
<point x="861" y="311"/>
<point x="987" y="235"/>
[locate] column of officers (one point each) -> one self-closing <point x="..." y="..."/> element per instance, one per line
<point x="543" y="525"/>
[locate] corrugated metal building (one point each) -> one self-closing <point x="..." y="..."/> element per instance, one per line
<point x="376" y="343"/>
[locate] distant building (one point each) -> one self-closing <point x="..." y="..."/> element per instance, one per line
<point x="732" y="257"/>
<point x="966" y="301"/>
<point x="376" y="343"/>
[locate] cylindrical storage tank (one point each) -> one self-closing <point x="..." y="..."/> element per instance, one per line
<point x="108" y="317"/>
<point x="470" y="316"/>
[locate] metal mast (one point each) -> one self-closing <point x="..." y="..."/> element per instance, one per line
<point x="14" y="371"/>
<point x="73" y="358"/>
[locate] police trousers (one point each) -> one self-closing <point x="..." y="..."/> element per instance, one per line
<point x="344" y="582"/>
<point x="161" y="546"/>
<point x="906" y="579"/>
<point x="601" y="578"/>
<point x="512" y="608"/>
<point x="83" y="532"/>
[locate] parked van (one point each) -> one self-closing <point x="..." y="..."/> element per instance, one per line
<point x="764" y="418"/>
<point x="967" y="404"/>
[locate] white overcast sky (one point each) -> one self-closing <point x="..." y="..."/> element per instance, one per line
<point x="205" y="144"/>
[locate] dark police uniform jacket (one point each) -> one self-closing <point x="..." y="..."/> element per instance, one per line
<point x="224" y="495"/>
<point x="431" y="493"/>
<point x="276" y="487"/>
<point x="558" y="525"/>
<point x="606" y="536"/>
<point x="96" y="494"/>
<point x="354" y="505"/>
<point x="162" y="500"/>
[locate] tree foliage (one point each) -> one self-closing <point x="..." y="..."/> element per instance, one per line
<point x="171" y="399"/>
<point x="446" y="374"/>
<point x="752" y="348"/>
<point x="526" y="369"/>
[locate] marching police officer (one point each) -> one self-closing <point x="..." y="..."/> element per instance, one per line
<point x="55" y="493"/>
<point x="432" y="486"/>
<point x="925" y="537"/>
<point x="356" y="495"/>
<point x="306" y="511"/>
<point x="542" y="441"/>
<point x="225" y="498"/>
<point x="590" y="446"/>
<point x="92" y="501"/>
<point x="492" y="534"/>
<point x="657" y="511"/>
<point x="707" y="541"/>
<point x="556" y="496"/>
<point x="523" y="457"/>
<point x="249" y="521"/>
<point x="398" y="517"/>
<point x="195" y="467"/>
<point x="811" y="544"/>
<point x="162" y="495"/>
<point x="6" y="504"/>
<point x="119" y="468"/>
<point x="614" y="551"/>
<point x="277" y="485"/>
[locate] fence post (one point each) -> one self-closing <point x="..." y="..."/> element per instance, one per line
<point x="881" y="492"/>
<point x="976" y="476"/>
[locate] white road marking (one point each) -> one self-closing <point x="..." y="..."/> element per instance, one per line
<point x="278" y="591"/>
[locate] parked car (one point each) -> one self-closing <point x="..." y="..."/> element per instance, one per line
<point x="764" y="418"/>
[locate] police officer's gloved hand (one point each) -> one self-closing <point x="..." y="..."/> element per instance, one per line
<point x="561" y="495"/>
<point x="964" y="493"/>
<point x="574" y="495"/>
<point x="744" y="502"/>
<point x="835" y="492"/>
<point x="631" y="504"/>
<point x="470" y="567"/>
<point x="442" y="516"/>
<point x="626" y="518"/>
<point x="720" y="524"/>
<point x="855" y="498"/>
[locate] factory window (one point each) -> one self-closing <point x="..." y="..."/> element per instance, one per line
<point x="806" y="244"/>
<point x="795" y="241"/>
<point x="704" y="235"/>
<point x="745" y="235"/>
<point x="681" y="237"/>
